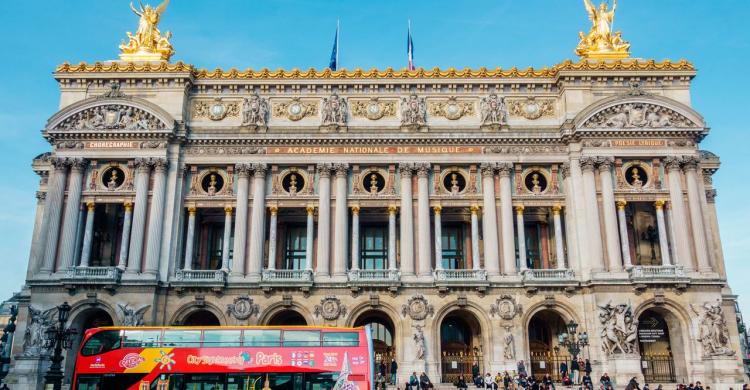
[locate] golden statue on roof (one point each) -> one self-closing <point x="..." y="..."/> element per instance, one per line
<point x="148" y="44"/>
<point x="600" y="42"/>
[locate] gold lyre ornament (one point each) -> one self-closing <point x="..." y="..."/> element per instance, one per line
<point x="148" y="44"/>
<point x="601" y="42"/>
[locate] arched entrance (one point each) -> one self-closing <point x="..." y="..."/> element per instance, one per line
<point x="201" y="318"/>
<point x="460" y="345"/>
<point x="383" y="333"/>
<point x="287" y="318"/>
<point x="544" y="352"/>
<point x="87" y="319"/>
<point x="659" y="341"/>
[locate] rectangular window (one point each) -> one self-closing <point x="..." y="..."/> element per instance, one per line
<point x="141" y="338"/>
<point x="262" y="338"/>
<point x="341" y="339"/>
<point x="453" y="246"/>
<point x="301" y="338"/>
<point x="373" y="247"/>
<point x="222" y="338"/>
<point x="181" y="338"/>
<point x="295" y="247"/>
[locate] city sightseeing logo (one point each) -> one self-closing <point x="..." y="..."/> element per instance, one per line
<point x="131" y="360"/>
<point x="165" y="360"/>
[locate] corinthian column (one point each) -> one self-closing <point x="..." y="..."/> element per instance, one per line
<point x="227" y="238"/>
<point x="257" y="222"/>
<point x="690" y="165"/>
<point x="679" y="217"/>
<point x="72" y="207"/>
<point x="663" y="242"/>
<point x="521" y="238"/>
<point x="240" y="220"/>
<point x="355" y="237"/>
<point x="407" y="219"/>
<point x="156" y="217"/>
<point x="592" y="213"/>
<point x="489" y="220"/>
<point x="272" y="226"/>
<point x="559" y="248"/>
<point x="438" y="238"/>
<point x="88" y="234"/>
<point x="190" y="239"/>
<point x="392" y="237"/>
<point x="625" y="242"/>
<point x="125" y="240"/>
<point x="309" y="238"/>
<point x="341" y="227"/>
<point x="506" y="215"/>
<point x="610" y="215"/>
<point x="324" y="220"/>
<point x="475" y="237"/>
<point x="53" y="211"/>
<point x="143" y="170"/>
<point x="423" y="219"/>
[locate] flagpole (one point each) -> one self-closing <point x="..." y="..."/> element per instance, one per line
<point x="338" y="33"/>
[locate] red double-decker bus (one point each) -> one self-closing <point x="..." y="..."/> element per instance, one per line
<point x="225" y="358"/>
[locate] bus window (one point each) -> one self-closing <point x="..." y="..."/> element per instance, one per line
<point x="181" y="338"/>
<point x="262" y="338"/>
<point x="141" y="338"/>
<point x="301" y="338"/>
<point x="340" y="339"/>
<point x="101" y="342"/>
<point x="221" y="338"/>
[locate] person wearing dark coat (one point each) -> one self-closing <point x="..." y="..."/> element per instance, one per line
<point x="587" y="368"/>
<point x="587" y="382"/>
<point x="426" y="383"/>
<point x="563" y="369"/>
<point x="461" y="383"/>
<point x="475" y="376"/>
<point x="413" y="382"/>
<point x="632" y="385"/>
<point x="394" y="369"/>
<point x="575" y="370"/>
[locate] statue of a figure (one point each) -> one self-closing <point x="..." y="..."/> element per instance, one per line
<point x="509" y="352"/>
<point x="254" y="111"/>
<point x="148" y="44"/>
<point x="601" y="42"/>
<point x="419" y="341"/>
<point x="413" y="111"/>
<point x="493" y="110"/>
<point x="34" y="335"/>
<point x="713" y="332"/>
<point x="132" y="317"/>
<point x="334" y="111"/>
<point x="619" y="329"/>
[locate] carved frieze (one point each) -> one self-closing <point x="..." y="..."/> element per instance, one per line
<point x="531" y="108"/>
<point x="215" y="109"/>
<point x="112" y="117"/>
<point x="330" y="308"/>
<point x="417" y="308"/>
<point x="243" y="308"/>
<point x="452" y="108"/>
<point x="638" y="115"/>
<point x="506" y="308"/>
<point x="228" y="150"/>
<point x="295" y="109"/>
<point x="525" y="149"/>
<point x="373" y="109"/>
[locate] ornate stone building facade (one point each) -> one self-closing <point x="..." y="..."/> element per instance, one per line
<point x="467" y="215"/>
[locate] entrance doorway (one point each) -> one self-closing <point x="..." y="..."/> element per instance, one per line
<point x="460" y="346"/>
<point x="88" y="319"/>
<point x="287" y="318"/>
<point x="382" y="338"/>
<point x="201" y="318"/>
<point x="655" y="345"/>
<point x="544" y="350"/>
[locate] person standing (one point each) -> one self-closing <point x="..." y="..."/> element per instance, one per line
<point x="394" y="369"/>
<point x="563" y="369"/>
<point x="521" y="369"/>
<point x="381" y="368"/>
<point x="575" y="368"/>
<point x="587" y="368"/>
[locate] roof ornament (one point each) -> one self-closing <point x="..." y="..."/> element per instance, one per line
<point x="148" y="44"/>
<point x="600" y="42"/>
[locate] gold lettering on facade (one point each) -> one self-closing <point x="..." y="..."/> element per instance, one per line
<point x="375" y="150"/>
<point x="638" y="142"/>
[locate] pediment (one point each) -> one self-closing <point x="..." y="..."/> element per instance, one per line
<point x="638" y="115"/>
<point x="115" y="114"/>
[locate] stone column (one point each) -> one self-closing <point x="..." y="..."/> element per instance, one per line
<point x="324" y="220"/>
<point x="37" y="243"/>
<point x="156" y="217"/>
<point x="309" y="239"/>
<point x="489" y="220"/>
<point x="624" y="241"/>
<point x="610" y="215"/>
<point x="662" y="226"/>
<point x="227" y="238"/>
<point x="88" y="234"/>
<point x="80" y="230"/>
<point x="125" y="240"/>
<point x="506" y="208"/>
<point x="143" y="170"/>
<point x="70" y="219"/>
<point x="690" y="165"/>
<point x="438" y="237"/>
<point x="392" y="237"/>
<point x="240" y="220"/>
<point x="407" y="220"/>
<point x="475" y="237"/>
<point x="592" y="213"/>
<point x="679" y="218"/>
<point x="53" y="211"/>
<point x="423" y="219"/>
<point x="559" y="246"/>
<point x="341" y="222"/>
<point x="670" y="231"/>
<point x="257" y="222"/>
<point x="355" y="237"/>
<point x="190" y="239"/>
<point x="273" y="225"/>
<point x="521" y="238"/>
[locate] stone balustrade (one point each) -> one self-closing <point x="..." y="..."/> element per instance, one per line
<point x="92" y="275"/>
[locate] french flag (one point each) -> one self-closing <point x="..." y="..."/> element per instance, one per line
<point x="410" y="48"/>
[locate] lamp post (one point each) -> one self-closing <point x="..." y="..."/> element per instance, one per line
<point x="59" y="338"/>
<point x="572" y="340"/>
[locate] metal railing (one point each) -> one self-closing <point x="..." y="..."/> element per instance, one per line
<point x="460" y="275"/>
<point x="455" y="364"/>
<point x="194" y="275"/>
<point x="94" y="274"/>
<point x="658" y="368"/>
<point x="374" y="275"/>
<point x="548" y="363"/>
<point x="287" y="275"/>
<point x="548" y="274"/>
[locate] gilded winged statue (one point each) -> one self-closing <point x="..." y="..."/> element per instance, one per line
<point x="601" y="42"/>
<point x="147" y="44"/>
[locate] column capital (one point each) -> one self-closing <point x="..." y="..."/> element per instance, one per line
<point x="128" y="205"/>
<point x="310" y="209"/>
<point x="259" y="170"/>
<point x="659" y="204"/>
<point x="621" y="203"/>
<point x="690" y="163"/>
<point x="519" y="209"/>
<point x="392" y="209"/>
<point x="341" y="169"/>
<point x="474" y="208"/>
<point x="604" y="163"/>
<point x="160" y="164"/>
<point x="488" y="169"/>
<point x="78" y="164"/>
<point x="355" y="210"/>
<point x="437" y="209"/>
<point x="672" y="163"/>
<point x="711" y="195"/>
<point x="59" y="163"/>
<point x="405" y="169"/>
<point x="90" y="206"/>
<point x="41" y="196"/>
<point x="504" y="169"/>
<point x="228" y="210"/>
<point x="273" y="209"/>
<point x="422" y="168"/>
<point x="556" y="209"/>
<point x="324" y="169"/>
<point x="192" y="210"/>
<point x="565" y="170"/>
<point x="142" y="164"/>
<point x="243" y="169"/>
<point x="588" y="163"/>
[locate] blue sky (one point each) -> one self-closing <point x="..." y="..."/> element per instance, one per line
<point x="38" y="35"/>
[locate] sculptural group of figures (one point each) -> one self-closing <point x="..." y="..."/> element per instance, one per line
<point x="334" y="111"/>
<point x="493" y="110"/>
<point x="254" y="111"/>
<point x="601" y="38"/>
<point x="116" y="116"/>
<point x="713" y="333"/>
<point x="638" y="115"/>
<point x="619" y="329"/>
<point x="147" y="37"/>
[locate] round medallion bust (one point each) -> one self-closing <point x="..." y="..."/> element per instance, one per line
<point x="113" y="178"/>
<point x="535" y="182"/>
<point x="212" y="183"/>
<point x="373" y="182"/>
<point x="636" y="176"/>
<point x="454" y="182"/>
<point x="292" y="183"/>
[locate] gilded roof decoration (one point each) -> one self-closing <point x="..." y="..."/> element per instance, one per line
<point x="388" y="73"/>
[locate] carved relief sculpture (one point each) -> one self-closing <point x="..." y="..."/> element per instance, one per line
<point x="243" y="308"/>
<point x="112" y="117"/>
<point x="417" y="308"/>
<point x="531" y="108"/>
<point x="330" y="308"/>
<point x="506" y="308"/>
<point x="494" y="112"/>
<point x="147" y="44"/>
<point x="419" y="342"/>
<point x="131" y="317"/>
<point x="34" y="335"/>
<point x="373" y="109"/>
<point x="713" y="333"/>
<point x="254" y="111"/>
<point x="509" y="350"/>
<point x="294" y="109"/>
<point x="413" y="110"/>
<point x="638" y="115"/>
<point x="334" y="111"/>
<point x="215" y="110"/>
<point x="452" y="108"/>
<point x="619" y="329"/>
